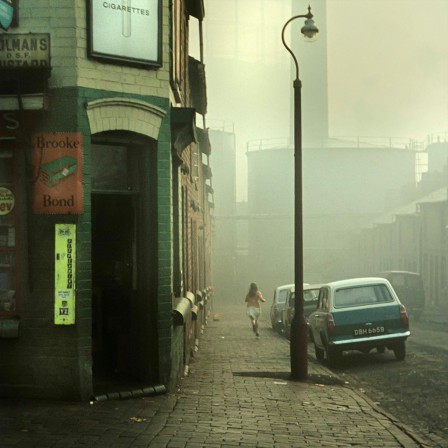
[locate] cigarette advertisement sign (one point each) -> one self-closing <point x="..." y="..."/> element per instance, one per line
<point x="58" y="170"/>
<point x="126" y="30"/>
<point x="64" y="274"/>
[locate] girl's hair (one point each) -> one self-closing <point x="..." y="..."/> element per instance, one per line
<point x="253" y="289"/>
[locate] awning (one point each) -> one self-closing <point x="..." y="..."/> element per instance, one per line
<point x="195" y="8"/>
<point x="183" y="128"/>
<point x="204" y="141"/>
<point x="36" y="101"/>
<point x="198" y="90"/>
<point x="207" y="171"/>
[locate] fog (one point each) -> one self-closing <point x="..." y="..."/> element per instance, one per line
<point x="378" y="74"/>
<point x="387" y="68"/>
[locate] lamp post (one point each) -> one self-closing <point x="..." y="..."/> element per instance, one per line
<point x="299" y="330"/>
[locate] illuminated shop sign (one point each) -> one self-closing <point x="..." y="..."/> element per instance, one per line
<point x="24" y="51"/>
<point x="126" y="31"/>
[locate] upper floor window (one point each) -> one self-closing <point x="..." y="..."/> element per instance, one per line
<point x="179" y="50"/>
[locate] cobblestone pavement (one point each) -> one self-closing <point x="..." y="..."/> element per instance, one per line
<point x="238" y="393"/>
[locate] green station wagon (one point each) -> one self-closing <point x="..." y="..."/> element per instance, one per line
<point x="358" y="314"/>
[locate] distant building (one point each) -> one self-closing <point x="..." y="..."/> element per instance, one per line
<point x="224" y="260"/>
<point x="344" y="188"/>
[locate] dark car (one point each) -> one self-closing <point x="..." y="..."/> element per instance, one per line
<point x="278" y="305"/>
<point x="310" y="295"/>
<point x="409" y="289"/>
<point x="358" y="314"/>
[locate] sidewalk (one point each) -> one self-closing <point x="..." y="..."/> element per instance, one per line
<point x="238" y="393"/>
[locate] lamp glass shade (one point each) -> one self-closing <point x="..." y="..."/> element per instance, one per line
<point x="309" y="30"/>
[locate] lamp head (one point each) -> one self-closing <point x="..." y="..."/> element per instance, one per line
<point x="309" y="30"/>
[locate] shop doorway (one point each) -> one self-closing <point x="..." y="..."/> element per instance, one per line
<point x="114" y="283"/>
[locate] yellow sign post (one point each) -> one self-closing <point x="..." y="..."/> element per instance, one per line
<point x="64" y="274"/>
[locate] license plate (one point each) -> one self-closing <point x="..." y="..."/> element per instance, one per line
<point x="369" y="331"/>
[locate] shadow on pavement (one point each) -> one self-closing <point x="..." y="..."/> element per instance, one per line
<point x="286" y="376"/>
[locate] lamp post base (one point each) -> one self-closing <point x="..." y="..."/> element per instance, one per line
<point x="299" y="349"/>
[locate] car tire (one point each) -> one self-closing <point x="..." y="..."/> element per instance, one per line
<point x="400" y="351"/>
<point x="333" y="356"/>
<point x="310" y="335"/>
<point x="319" y="353"/>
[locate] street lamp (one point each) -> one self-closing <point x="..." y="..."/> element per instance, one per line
<point x="299" y="330"/>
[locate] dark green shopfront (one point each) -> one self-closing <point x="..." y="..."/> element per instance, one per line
<point x="86" y="246"/>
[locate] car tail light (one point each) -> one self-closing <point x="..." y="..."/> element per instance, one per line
<point x="404" y="316"/>
<point x="330" y="324"/>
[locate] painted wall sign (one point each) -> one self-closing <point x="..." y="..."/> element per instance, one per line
<point x="58" y="170"/>
<point x="24" y="50"/>
<point x="126" y="30"/>
<point x="65" y="274"/>
<point x="13" y="122"/>
<point x="6" y="13"/>
<point x="7" y="201"/>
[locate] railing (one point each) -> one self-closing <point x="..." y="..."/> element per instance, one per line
<point x="437" y="137"/>
<point x="340" y="142"/>
<point x="221" y="125"/>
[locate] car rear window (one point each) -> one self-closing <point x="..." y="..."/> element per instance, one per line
<point x="362" y="295"/>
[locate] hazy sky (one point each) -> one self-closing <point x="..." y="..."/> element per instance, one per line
<point x="396" y="56"/>
<point x="387" y="68"/>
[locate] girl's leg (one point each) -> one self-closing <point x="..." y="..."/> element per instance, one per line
<point x="253" y="322"/>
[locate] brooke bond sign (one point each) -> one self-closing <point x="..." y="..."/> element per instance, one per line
<point x="57" y="161"/>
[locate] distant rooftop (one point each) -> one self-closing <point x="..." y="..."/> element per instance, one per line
<point x="340" y="142"/>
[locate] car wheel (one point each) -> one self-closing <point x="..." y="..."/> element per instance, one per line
<point x="310" y="335"/>
<point x="333" y="356"/>
<point x="319" y="353"/>
<point x="400" y="351"/>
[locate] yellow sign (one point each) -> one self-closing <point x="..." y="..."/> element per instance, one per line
<point x="7" y="201"/>
<point x="65" y="269"/>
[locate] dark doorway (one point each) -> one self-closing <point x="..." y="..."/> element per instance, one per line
<point x="114" y="283"/>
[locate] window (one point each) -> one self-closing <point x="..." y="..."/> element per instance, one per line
<point x="362" y="295"/>
<point x="114" y="168"/>
<point x="178" y="52"/>
<point x="8" y="234"/>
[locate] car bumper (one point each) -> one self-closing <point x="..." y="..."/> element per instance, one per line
<point x="371" y="340"/>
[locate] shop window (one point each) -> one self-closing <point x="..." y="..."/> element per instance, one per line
<point x="8" y="235"/>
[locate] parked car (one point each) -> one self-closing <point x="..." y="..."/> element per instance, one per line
<point x="358" y="314"/>
<point x="409" y="289"/>
<point x="310" y="295"/>
<point x="278" y="305"/>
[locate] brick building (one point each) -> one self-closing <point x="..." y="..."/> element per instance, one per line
<point x="104" y="195"/>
